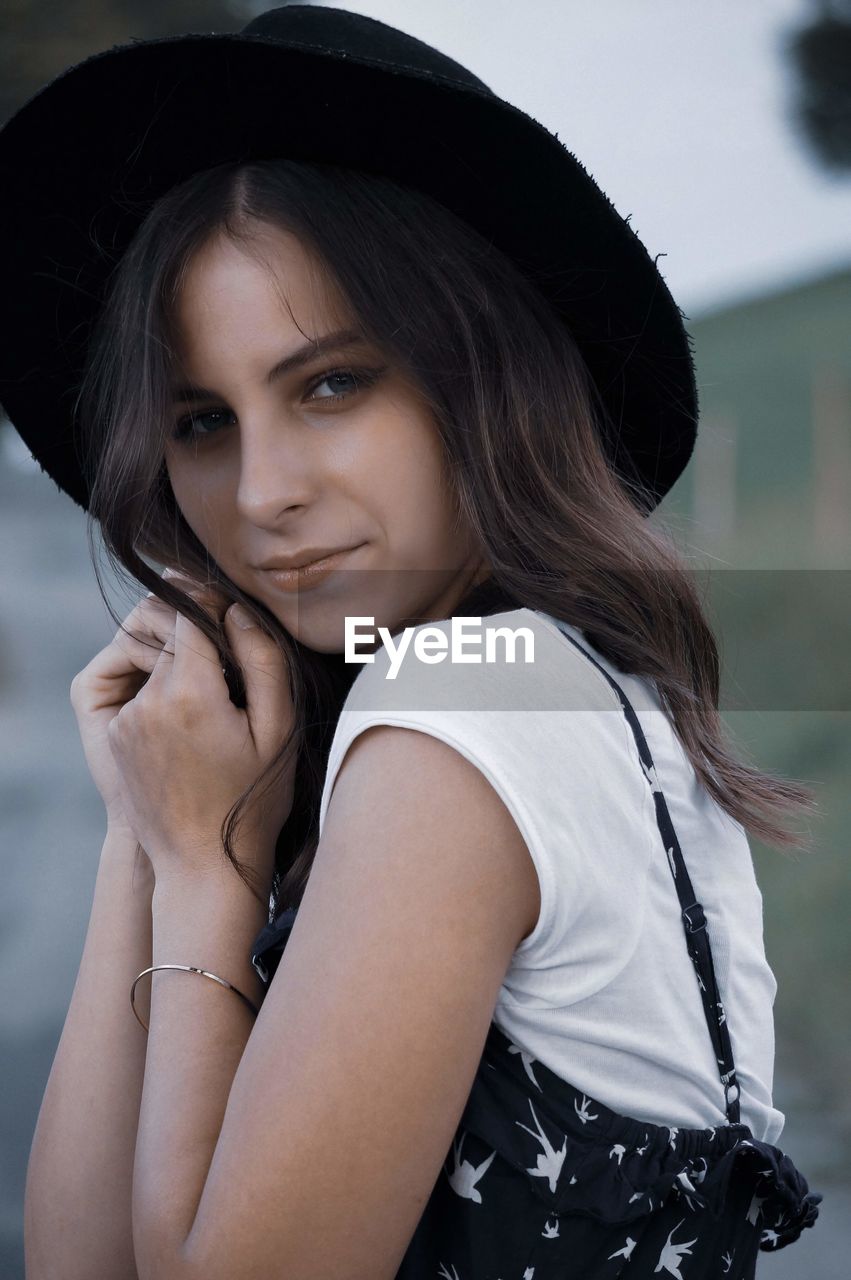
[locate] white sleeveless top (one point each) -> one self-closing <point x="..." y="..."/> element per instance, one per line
<point x="603" y="991"/>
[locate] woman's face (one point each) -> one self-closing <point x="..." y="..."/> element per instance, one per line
<point x="330" y="449"/>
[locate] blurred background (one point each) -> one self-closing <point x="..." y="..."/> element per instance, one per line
<point x="724" y="130"/>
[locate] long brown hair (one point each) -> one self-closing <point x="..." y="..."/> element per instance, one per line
<point x="522" y="426"/>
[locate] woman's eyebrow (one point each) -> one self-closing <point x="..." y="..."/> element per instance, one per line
<point x="302" y="355"/>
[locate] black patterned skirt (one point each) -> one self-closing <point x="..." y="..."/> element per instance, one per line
<point x="544" y="1183"/>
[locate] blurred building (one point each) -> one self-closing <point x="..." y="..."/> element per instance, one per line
<point x="770" y="482"/>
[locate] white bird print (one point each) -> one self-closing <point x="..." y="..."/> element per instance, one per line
<point x="527" y="1060"/>
<point x="755" y="1208"/>
<point x="618" y="1150"/>
<point x="672" y="1136"/>
<point x="700" y="982"/>
<point x="670" y="853"/>
<point x="464" y="1176"/>
<point x="635" y="1196"/>
<point x="625" y="1251"/>
<point x="445" y="1275"/>
<point x="727" y="1258"/>
<point x="672" y="1254"/>
<point x="572" y="1180"/>
<point x="529" y="1273"/>
<point x="583" y="1112"/>
<point x="550" y="1233"/>
<point x="722" y="1014"/>
<point x="769" y="1237"/>
<point x="641" y="1150"/>
<point x="549" y="1161"/>
<point x="686" y="1182"/>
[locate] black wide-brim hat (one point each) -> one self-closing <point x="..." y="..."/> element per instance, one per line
<point x="83" y="161"/>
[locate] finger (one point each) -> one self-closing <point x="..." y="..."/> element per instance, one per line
<point x="144" y="631"/>
<point x="119" y="670"/>
<point x="138" y="640"/>
<point x="153" y="619"/>
<point x="208" y="594"/>
<point x="268" y="699"/>
<point x="163" y="666"/>
<point x="196" y="662"/>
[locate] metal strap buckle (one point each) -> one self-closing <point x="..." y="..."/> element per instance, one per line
<point x="699" y="922"/>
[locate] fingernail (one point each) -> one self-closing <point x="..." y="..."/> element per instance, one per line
<point x="241" y="616"/>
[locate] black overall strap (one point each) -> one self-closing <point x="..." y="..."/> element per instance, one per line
<point x="694" y="921"/>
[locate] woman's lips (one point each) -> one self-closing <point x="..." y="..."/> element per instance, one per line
<point x="309" y="575"/>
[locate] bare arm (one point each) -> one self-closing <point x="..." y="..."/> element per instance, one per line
<point x="77" y="1205"/>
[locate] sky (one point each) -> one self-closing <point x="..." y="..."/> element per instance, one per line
<point x="680" y="111"/>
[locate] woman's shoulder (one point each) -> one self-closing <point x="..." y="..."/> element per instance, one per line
<point x="516" y="659"/>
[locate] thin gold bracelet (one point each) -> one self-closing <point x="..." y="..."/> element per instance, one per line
<point x="187" y="968"/>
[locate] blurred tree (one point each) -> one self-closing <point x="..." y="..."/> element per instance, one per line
<point x="821" y="55"/>
<point x="38" y="41"/>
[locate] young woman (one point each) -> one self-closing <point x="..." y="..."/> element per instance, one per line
<point x="313" y="291"/>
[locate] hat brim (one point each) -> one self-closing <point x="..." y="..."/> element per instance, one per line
<point x="82" y="162"/>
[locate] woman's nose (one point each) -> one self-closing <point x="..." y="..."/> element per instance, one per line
<point x="276" y="471"/>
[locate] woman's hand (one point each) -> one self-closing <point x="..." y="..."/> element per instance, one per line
<point x="112" y="678"/>
<point x="182" y="753"/>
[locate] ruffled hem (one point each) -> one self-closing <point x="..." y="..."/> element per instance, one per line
<point x="580" y="1157"/>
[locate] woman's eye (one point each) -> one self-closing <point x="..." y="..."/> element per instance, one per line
<point x="343" y="382"/>
<point x="340" y="383"/>
<point x="193" y="425"/>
